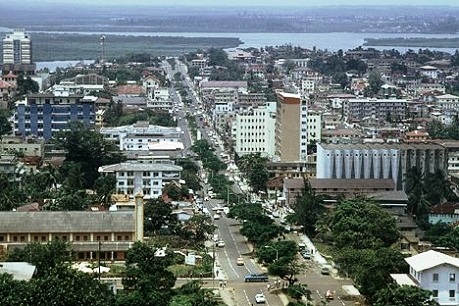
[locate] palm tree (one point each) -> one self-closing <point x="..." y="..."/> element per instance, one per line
<point x="414" y="181"/>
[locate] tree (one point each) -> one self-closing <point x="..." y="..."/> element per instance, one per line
<point x="157" y="214"/>
<point x="308" y="209"/>
<point x="451" y="239"/>
<point x="13" y="292"/>
<point x="375" y="81"/>
<point x="5" y="126"/>
<point x="286" y="268"/>
<point x="360" y="223"/>
<point x="404" y="296"/>
<point x="105" y="187"/>
<point x="11" y="195"/>
<point x="54" y="255"/>
<point x="26" y="85"/>
<point x="191" y="294"/>
<point x="147" y="278"/>
<point x="283" y="248"/>
<point x="201" y="227"/>
<point x="371" y="268"/>
<point x="89" y="149"/>
<point x="254" y="166"/>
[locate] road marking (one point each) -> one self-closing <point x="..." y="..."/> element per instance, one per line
<point x="231" y="266"/>
<point x="341" y="301"/>
<point x="247" y="297"/>
<point x="320" y="295"/>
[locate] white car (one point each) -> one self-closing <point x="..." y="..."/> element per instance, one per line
<point x="217" y="217"/>
<point x="260" y="298"/>
<point x="221" y="244"/>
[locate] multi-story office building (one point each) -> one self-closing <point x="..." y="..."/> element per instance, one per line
<point x="253" y="132"/>
<point x="17" y="53"/>
<point x="138" y="136"/>
<point x="357" y="109"/>
<point x="314" y="122"/>
<point x="291" y="128"/>
<point x="378" y="161"/>
<point x="135" y="175"/>
<point x="44" y="114"/>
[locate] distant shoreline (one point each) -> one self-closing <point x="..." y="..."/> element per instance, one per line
<point x="414" y="42"/>
<point x="68" y="47"/>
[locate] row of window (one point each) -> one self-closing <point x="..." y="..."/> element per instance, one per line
<point x="44" y="238"/>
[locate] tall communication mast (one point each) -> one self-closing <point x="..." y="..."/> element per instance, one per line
<point x="102" y="48"/>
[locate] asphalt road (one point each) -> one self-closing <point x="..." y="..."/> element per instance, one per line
<point x="236" y="245"/>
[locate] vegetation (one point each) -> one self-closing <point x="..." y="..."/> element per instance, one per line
<point x="404" y="296"/>
<point x="86" y="151"/>
<point x="53" y="47"/>
<point x="116" y="117"/>
<point x="255" y="169"/>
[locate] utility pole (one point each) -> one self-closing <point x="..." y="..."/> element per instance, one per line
<point x="99" y="247"/>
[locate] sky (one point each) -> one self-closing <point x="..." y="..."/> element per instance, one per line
<point x="301" y="3"/>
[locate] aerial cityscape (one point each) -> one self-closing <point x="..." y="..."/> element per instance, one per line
<point x="243" y="153"/>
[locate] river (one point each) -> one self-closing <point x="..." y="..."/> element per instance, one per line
<point x="330" y="41"/>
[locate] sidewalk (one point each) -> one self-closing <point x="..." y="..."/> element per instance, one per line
<point x="310" y="246"/>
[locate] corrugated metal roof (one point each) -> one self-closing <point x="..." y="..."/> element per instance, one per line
<point x="66" y="222"/>
<point x="430" y="259"/>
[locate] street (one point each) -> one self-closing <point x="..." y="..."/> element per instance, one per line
<point x="243" y="293"/>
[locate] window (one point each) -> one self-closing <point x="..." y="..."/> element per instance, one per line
<point x="43" y="238"/>
<point x="85" y="238"/>
<point x="77" y="238"/>
<point x="106" y="238"/>
<point x="452" y="293"/>
<point x="452" y="277"/>
<point x="435" y="277"/>
<point x="434" y="293"/>
<point x="98" y="238"/>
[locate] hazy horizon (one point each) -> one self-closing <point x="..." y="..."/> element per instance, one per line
<point x="248" y="3"/>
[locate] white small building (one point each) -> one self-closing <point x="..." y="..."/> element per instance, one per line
<point x="447" y="101"/>
<point x="138" y="136"/>
<point x="429" y="71"/>
<point x="433" y="271"/>
<point x="150" y="177"/>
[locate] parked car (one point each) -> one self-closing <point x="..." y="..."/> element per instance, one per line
<point x="216" y="216"/>
<point x="329" y="295"/>
<point x="221" y="243"/>
<point x="256" y="278"/>
<point x="306" y="254"/>
<point x="240" y="261"/>
<point x="260" y="298"/>
<point x="325" y="270"/>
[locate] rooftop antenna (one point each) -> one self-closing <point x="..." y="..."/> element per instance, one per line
<point x="102" y="48"/>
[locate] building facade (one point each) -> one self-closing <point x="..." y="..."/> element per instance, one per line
<point x="435" y="272"/>
<point x="148" y="177"/>
<point x="91" y="234"/>
<point x="138" y="136"/>
<point x="41" y="115"/>
<point x="378" y="161"/>
<point x="253" y="132"/>
<point x="17" y="53"/>
<point x="357" y="109"/>
<point x="291" y="128"/>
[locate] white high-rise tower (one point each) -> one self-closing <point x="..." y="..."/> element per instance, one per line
<point x="17" y="48"/>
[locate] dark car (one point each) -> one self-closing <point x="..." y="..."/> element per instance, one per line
<point x="256" y="278"/>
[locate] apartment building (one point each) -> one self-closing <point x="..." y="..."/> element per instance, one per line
<point x="136" y="175"/>
<point x="378" y="161"/>
<point x="291" y="127"/>
<point x="159" y="99"/>
<point x="314" y="126"/>
<point x="253" y="132"/>
<point x="17" y="53"/>
<point x="357" y="109"/>
<point x="138" y="136"/>
<point x="43" y="114"/>
<point x="447" y="102"/>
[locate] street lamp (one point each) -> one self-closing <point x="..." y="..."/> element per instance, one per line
<point x="277" y="251"/>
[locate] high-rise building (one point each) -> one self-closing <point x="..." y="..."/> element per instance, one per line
<point x="17" y="53"/>
<point x="291" y="127"/>
<point x="253" y="132"/>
